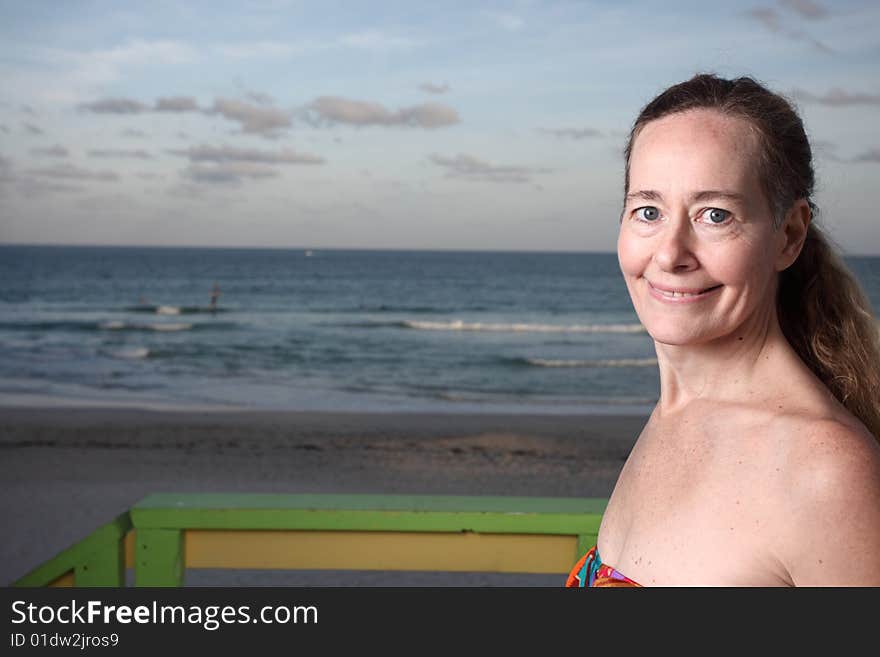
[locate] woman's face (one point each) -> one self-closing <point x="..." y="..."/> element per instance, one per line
<point x="697" y="246"/>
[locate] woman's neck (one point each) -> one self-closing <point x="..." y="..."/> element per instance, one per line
<point x="734" y="368"/>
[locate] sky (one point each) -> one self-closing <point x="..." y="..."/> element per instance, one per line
<point x="422" y="125"/>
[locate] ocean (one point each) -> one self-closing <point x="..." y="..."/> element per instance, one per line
<point x="326" y="330"/>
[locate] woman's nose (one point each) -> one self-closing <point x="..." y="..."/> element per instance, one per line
<point x="674" y="248"/>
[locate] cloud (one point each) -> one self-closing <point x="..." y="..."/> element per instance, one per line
<point x="4" y="129"/>
<point x="837" y="97"/>
<point x="825" y="150"/>
<point x="805" y="8"/>
<point x="468" y="167"/>
<point x="131" y="106"/>
<point x="72" y="172"/>
<point x="205" y="153"/>
<point x="137" y="154"/>
<point x="375" y="40"/>
<point x="507" y="21"/>
<point x="332" y="109"/>
<point x="571" y="133"/>
<point x="114" y="106"/>
<point x="35" y="188"/>
<point x="53" y="151"/>
<point x="228" y="172"/>
<point x="5" y="170"/>
<point x="870" y="155"/>
<point x="431" y="88"/>
<point x="770" y="19"/>
<point x="260" y="98"/>
<point x="131" y="132"/>
<point x="260" y="49"/>
<point x="176" y="104"/>
<point x="253" y="119"/>
<point x="32" y="129"/>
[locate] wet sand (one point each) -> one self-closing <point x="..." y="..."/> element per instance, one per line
<point x="64" y="472"/>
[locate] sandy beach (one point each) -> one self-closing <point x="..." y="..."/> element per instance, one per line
<point x="65" y="471"/>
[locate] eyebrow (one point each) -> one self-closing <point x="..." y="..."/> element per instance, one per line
<point x="705" y="195"/>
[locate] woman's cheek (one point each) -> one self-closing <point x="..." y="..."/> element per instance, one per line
<point x="629" y="255"/>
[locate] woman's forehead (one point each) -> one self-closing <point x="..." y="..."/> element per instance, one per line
<point x="702" y="149"/>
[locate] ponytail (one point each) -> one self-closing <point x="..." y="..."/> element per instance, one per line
<point x="828" y="321"/>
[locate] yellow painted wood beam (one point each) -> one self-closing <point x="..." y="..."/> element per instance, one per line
<point x="66" y="580"/>
<point x="370" y="550"/>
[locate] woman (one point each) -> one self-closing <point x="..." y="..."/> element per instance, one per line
<point x="760" y="464"/>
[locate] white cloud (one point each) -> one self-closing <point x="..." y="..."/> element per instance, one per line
<point x="431" y="88"/>
<point x="72" y="76"/>
<point x="137" y="154"/>
<point x="32" y="187"/>
<point x="260" y="49"/>
<point x="228" y="173"/>
<point x="571" y="133"/>
<point x="72" y="172"/>
<point x="254" y="119"/>
<point x="870" y="155"/>
<point x="376" y="40"/>
<point x="205" y="153"/>
<point x="6" y="175"/>
<point x="176" y="104"/>
<point x="114" y="106"/>
<point x="768" y="17"/>
<point x="771" y="19"/>
<point x="806" y="8"/>
<point x="333" y="109"/>
<point x="32" y="129"/>
<point x="53" y="151"/>
<point x="507" y="21"/>
<point x="468" y="167"/>
<point x="837" y="97"/>
<point x="371" y="40"/>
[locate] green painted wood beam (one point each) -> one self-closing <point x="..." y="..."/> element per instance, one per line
<point x="509" y="504"/>
<point x="371" y="513"/>
<point x="91" y="559"/>
<point x="159" y="557"/>
<point x="103" y="567"/>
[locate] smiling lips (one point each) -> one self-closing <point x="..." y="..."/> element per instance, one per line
<point x="681" y="294"/>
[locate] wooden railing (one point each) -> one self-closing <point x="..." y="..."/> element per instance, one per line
<point x="164" y="534"/>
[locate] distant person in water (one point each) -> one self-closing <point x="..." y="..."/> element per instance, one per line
<point x="215" y="294"/>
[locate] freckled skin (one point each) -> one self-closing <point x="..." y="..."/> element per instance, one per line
<point x="714" y="479"/>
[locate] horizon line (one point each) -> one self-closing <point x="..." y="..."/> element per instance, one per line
<point x="291" y="248"/>
<point x="335" y="248"/>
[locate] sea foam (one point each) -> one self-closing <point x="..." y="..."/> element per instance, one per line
<point x="458" y="325"/>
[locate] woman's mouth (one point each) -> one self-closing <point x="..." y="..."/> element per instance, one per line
<point x="680" y="295"/>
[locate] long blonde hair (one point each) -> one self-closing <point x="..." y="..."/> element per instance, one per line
<point x="822" y="311"/>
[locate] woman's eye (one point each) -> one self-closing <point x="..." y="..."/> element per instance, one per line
<point x="648" y="213"/>
<point x="716" y="215"/>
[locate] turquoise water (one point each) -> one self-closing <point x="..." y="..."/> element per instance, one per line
<point x="326" y="330"/>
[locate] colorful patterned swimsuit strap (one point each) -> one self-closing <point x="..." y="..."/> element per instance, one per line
<point x="591" y="572"/>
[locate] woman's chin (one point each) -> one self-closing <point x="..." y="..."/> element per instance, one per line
<point x="678" y="336"/>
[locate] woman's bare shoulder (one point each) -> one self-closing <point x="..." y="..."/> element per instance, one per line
<point x="829" y="515"/>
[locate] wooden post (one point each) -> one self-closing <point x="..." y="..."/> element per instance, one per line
<point x="105" y="566"/>
<point x="159" y="557"/>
